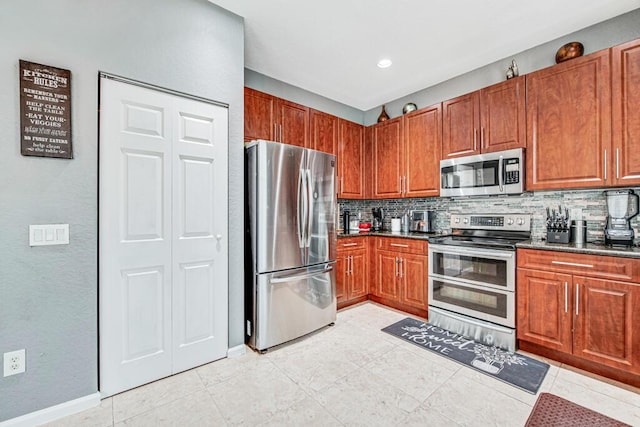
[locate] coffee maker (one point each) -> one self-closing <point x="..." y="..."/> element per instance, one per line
<point x="622" y="205"/>
<point x="378" y="215"/>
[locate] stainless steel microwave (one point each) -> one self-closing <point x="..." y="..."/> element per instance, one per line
<point x="501" y="172"/>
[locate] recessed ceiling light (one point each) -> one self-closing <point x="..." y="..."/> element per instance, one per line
<point x="384" y="63"/>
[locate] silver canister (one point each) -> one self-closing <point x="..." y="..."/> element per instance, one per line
<point x="579" y="231"/>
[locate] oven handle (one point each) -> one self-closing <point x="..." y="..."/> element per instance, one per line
<point x="446" y="249"/>
<point x="501" y="174"/>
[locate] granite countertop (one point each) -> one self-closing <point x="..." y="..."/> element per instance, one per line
<point x="408" y="235"/>
<point x="597" y="248"/>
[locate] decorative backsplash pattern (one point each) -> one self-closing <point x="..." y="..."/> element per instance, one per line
<point x="590" y="204"/>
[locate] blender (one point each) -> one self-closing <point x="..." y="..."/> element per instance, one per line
<point x="622" y="205"/>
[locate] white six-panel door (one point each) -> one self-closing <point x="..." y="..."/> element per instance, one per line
<point x="163" y="234"/>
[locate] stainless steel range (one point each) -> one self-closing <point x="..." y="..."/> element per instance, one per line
<point x="472" y="277"/>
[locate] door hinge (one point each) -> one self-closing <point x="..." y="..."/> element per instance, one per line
<point x="249" y="328"/>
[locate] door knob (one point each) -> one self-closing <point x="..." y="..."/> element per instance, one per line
<point x="219" y="237"/>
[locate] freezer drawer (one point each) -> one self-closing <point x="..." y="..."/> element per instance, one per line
<point x="292" y="303"/>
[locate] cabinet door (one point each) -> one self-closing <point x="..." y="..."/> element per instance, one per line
<point x="606" y="314"/>
<point x="502" y="118"/>
<point x="358" y="283"/>
<point x="544" y="309"/>
<point x="293" y="123"/>
<point x="342" y="278"/>
<point x="569" y="120"/>
<point x="626" y="114"/>
<point x="351" y="178"/>
<point x="259" y="115"/>
<point x="387" y="159"/>
<point x="422" y="143"/>
<point x="324" y="132"/>
<point x="460" y="120"/>
<point x="413" y="272"/>
<point x="387" y="265"/>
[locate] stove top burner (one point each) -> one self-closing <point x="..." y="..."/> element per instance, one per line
<point x="491" y="231"/>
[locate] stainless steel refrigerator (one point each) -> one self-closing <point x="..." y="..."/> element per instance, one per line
<point x="291" y="242"/>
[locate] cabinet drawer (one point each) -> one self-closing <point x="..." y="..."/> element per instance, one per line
<point x="394" y="244"/>
<point x="627" y="269"/>
<point x="349" y="243"/>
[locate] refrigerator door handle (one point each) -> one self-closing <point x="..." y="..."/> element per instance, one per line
<point x="295" y="277"/>
<point x="309" y="206"/>
<point x="301" y="208"/>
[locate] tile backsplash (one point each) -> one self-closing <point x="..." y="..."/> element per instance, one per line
<point x="589" y="205"/>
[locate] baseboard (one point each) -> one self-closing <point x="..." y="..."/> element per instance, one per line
<point x="53" y="413"/>
<point x="236" y="351"/>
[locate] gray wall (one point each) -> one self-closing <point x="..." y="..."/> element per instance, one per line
<point x="48" y="295"/>
<point x="600" y="36"/>
<point x="286" y="91"/>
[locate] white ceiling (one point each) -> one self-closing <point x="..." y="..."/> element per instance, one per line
<point x="331" y="47"/>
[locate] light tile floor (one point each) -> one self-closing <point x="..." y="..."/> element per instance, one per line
<point x="346" y="375"/>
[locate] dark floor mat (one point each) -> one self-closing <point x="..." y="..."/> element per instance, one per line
<point x="513" y="368"/>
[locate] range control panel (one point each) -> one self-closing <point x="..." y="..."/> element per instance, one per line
<point x="511" y="222"/>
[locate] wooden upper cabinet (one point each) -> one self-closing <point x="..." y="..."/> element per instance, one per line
<point x="422" y="145"/>
<point x="460" y="123"/>
<point x="503" y="116"/>
<point x="259" y="115"/>
<point x="274" y="119"/>
<point x="351" y="160"/>
<point x="387" y="159"/>
<point x="625" y="158"/>
<point x="324" y="132"/>
<point x="569" y="124"/>
<point x="293" y="123"/>
<point x="491" y="119"/>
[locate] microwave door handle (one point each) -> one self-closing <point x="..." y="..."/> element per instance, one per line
<point x="501" y="174"/>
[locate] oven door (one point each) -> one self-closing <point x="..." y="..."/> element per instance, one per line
<point x="490" y="268"/>
<point x="480" y="302"/>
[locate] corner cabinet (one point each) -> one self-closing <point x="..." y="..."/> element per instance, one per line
<point x="490" y="119"/>
<point x="422" y="135"/>
<point x="569" y="120"/>
<point x="400" y="274"/>
<point x="352" y="276"/>
<point x="387" y="159"/>
<point x="406" y="155"/>
<point x="584" y="306"/>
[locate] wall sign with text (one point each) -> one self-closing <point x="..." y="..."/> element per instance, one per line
<point x="45" y="111"/>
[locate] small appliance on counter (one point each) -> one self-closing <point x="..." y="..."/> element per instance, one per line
<point x="378" y="215"/>
<point x="422" y="221"/>
<point x="558" y="225"/>
<point x="622" y="205"/>
<point x="579" y="231"/>
<point x="345" y="221"/>
<point x="404" y="223"/>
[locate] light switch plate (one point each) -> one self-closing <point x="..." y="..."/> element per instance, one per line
<point x="48" y="234"/>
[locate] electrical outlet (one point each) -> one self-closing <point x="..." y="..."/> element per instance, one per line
<point x="14" y="362"/>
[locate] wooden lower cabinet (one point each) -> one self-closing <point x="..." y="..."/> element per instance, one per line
<point x="399" y="274"/>
<point x="589" y="322"/>
<point x="352" y="278"/>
